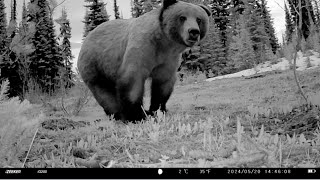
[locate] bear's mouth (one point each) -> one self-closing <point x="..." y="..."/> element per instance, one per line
<point x="192" y="42"/>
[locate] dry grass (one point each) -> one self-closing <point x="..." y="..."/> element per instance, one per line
<point x="225" y="123"/>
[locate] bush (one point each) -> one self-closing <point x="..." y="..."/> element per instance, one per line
<point x="308" y="62"/>
<point x="16" y="129"/>
<point x="289" y="51"/>
<point x="189" y="77"/>
<point x="79" y="95"/>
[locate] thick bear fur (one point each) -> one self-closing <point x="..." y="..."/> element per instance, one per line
<point x="118" y="56"/>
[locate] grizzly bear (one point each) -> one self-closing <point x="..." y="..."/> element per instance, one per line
<point x="118" y="56"/>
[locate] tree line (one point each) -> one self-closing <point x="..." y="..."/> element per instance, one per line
<point x="307" y="28"/>
<point x="32" y="56"/>
<point x="241" y="35"/>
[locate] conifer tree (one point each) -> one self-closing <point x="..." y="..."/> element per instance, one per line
<point x="289" y="25"/>
<point x="140" y="7"/>
<point x="3" y="30"/>
<point x="96" y="14"/>
<point x="235" y="9"/>
<point x="12" y="29"/>
<point x="8" y="62"/>
<point x="22" y="47"/>
<point x="11" y="62"/>
<point x="316" y="12"/>
<point x="46" y="59"/>
<point x="256" y="28"/>
<point x="268" y="24"/>
<point x="116" y="10"/>
<point x="220" y="14"/>
<point x="136" y="9"/>
<point x="23" y="26"/>
<point x="241" y="48"/>
<point x="65" y="46"/>
<point x="149" y="5"/>
<point x="214" y="46"/>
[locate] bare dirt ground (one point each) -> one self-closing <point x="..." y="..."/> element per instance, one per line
<point x="256" y="121"/>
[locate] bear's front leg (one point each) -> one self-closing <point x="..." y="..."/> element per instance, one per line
<point x="161" y="89"/>
<point x="130" y="90"/>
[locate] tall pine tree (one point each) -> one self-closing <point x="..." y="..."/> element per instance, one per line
<point x="140" y="7"/>
<point x="214" y="46"/>
<point x="3" y="30"/>
<point x="22" y="47"/>
<point x="116" y="10"/>
<point x="220" y="14"/>
<point x="219" y="27"/>
<point x="136" y="8"/>
<point x="268" y="24"/>
<point x="46" y="60"/>
<point x="12" y="29"/>
<point x="96" y="14"/>
<point x="235" y="9"/>
<point x="289" y="25"/>
<point x="256" y="28"/>
<point x="65" y="46"/>
<point x="12" y="63"/>
<point x="241" y="49"/>
<point x="316" y="12"/>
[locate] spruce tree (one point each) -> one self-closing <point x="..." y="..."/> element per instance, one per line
<point x="235" y="9"/>
<point x="22" y="47"/>
<point x="289" y="25"/>
<point x="116" y="10"/>
<point x="220" y="14"/>
<point x="256" y="28"/>
<point x="3" y="30"/>
<point x="149" y="5"/>
<point x="140" y="7"/>
<point x="316" y="12"/>
<point x="241" y="48"/>
<point x="65" y="46"/>
<point x="23" y="25"/>
<point x="46" y="59"/>
<point x="12" y="29"/>
<point x="213" y="46"/>
<point x="269" y="28"/>
<point x="11" y="62"/>
<point x="136" y="8"/>
<point x="96" y="14"/>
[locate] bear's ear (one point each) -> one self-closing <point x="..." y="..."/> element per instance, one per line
<point x="167" y="3"/>
<point x="206" y="9"/>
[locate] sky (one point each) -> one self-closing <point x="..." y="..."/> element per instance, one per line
<point x="76" y="12"/>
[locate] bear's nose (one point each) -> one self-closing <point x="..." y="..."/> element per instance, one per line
<point x="194" y="34"/>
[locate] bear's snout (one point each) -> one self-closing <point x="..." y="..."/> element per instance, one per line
<point x="194" y="34"/>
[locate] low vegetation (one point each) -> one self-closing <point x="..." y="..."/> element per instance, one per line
<point x="259" y="122"/>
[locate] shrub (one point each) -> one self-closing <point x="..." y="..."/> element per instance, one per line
<point x="16" y="129"/>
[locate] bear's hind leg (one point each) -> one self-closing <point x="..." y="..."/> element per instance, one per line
<point x="105" y="94"/>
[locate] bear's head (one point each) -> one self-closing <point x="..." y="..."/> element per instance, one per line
<point x="184" y="23"/>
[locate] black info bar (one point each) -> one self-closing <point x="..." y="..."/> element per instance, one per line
<point x="161" y="173"/>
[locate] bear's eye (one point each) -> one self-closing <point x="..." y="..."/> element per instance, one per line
<point x="183" y="18"/>
<point x="198" y="20"/>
